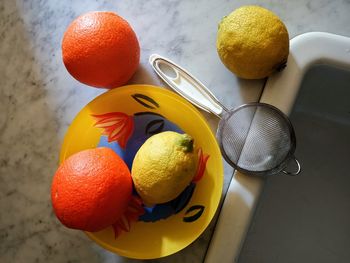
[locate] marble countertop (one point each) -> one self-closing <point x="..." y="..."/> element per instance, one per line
<point x="39" y="99"/>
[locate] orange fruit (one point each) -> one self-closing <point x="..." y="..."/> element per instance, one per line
<point x="91" y="189"/>
<point x="101" y="49"/>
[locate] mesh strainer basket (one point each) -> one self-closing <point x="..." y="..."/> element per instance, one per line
<point x="255" y="138"/>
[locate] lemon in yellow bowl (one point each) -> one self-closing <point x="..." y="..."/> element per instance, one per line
<point x="112" y="117"/>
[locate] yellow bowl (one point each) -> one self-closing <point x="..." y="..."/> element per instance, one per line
<point x="147" y="240"/>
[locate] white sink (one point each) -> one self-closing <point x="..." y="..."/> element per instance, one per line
<point x="283" y="91"/>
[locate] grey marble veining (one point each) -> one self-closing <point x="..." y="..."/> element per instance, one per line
<point x="39" y="99"/>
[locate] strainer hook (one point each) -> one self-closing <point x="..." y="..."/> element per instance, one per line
<point x="297" y="171"/>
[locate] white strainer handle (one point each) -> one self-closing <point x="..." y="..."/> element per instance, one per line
<point x="186" y="85"/>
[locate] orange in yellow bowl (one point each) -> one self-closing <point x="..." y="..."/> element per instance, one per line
<point x="147" y="240"/>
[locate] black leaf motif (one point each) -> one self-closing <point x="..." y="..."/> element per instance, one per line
<point x="148" y="113"/>
<point x="145" y="101"/>
<point x="199" y="211"/>
<point x="154" y="127"/>
<point x="177" y="202"/>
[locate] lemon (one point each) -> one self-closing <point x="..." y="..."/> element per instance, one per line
<point x="163" y="166"/>
<point x="252" y="42"/>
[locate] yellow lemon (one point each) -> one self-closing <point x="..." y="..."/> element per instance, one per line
<point x="163" y="166"/>
<point x="252" y="42"/>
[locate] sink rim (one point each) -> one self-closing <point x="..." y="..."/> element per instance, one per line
<point x="280" y="90"/>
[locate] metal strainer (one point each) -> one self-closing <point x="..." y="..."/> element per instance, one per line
<point x="255" y="138"/>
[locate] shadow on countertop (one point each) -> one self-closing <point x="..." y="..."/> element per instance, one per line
<point x="30" y="123"/>
<point x="38" y="100"/>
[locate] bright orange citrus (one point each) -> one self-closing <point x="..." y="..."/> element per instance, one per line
<point x="91" y="189"/>
<point x="101" y="49"/>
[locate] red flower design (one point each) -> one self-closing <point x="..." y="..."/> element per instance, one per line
<point x="132" y="213"/>
<point x="202" y="163"/>
<point x="118" y="126"/>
